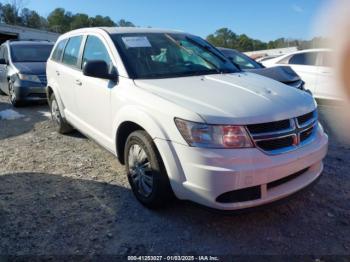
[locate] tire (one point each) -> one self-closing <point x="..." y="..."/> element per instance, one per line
<point x="13" y="96"/>
<point x="146" y="172"/>
<point x="2" y="92"/>
<point x="60" y="124"/>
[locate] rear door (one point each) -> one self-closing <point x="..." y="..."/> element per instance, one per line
<point x="304" y="64"/>
<point x="68" y="72"/>
<point x="94" y="94"/>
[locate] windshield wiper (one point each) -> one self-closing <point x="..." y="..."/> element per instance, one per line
<point x="190" y="52"/>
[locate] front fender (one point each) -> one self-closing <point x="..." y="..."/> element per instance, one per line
<point x="139" y="116"/>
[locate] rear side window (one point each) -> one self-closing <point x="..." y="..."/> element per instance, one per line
<point x="95" y="50"/>
<point x="71" y="52"/>
<point x="57" y="53"/>
<point x="303" y="59"/>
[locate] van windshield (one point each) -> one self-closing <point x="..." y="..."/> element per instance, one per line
<point x="30" y="53"/>
<point x="162" y="55"/>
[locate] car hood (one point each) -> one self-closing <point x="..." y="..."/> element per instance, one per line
<point x="31" y="68"/>
<point x="240" y="98"/>
<point x="283" y="74"/>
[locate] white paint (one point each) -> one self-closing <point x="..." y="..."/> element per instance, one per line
<point x="99" y="107"/>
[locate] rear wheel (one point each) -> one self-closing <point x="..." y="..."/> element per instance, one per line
<point x="60" y="124"/>
<point x="146" y="172"/>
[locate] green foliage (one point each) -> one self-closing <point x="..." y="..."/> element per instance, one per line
<point x="59" y="20"/>
<point x="224" y="37"/>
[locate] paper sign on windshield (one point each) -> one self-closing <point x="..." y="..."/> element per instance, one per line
<point x="136" y="41"/>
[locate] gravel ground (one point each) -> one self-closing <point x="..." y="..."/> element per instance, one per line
<point x="63" y="195"/>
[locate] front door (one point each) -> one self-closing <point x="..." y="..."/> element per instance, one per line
<point x="94" y="94"/>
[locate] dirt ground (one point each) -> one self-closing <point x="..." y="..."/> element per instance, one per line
<point x="64" y="195"/>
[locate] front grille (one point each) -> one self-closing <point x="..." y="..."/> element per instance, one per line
<point x="305" y="118"/>
<point x="37" y="95"/>
<point x="269" y="127"/>
<point x="284" y="135"/>
<point x="306" y="134"/>
<point x="276" y="144"/>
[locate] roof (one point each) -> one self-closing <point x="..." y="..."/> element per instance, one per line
<point x="125" y="30"/>
<point x="119" y="30"/>
<point x="30" y="42"/>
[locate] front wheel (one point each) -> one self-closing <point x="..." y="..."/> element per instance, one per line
<point x="146" y="172"/>
<point x="13" y="96"/>
<point x="59" y="122"/>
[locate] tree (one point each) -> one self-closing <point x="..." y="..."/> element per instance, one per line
<point x="124" y="23"/>
<point x="102" y="21"/>
<point x="31" y="18"/>
<point x="79" y="21"/>
<point x="9" y="14"/>
<point x="245" y="43"/>
<point x="59" y="20"/>
<point x="223" y="37"/>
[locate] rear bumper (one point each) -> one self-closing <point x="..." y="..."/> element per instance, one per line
<point x="30" y="91"/>
<point x="203" y="175"/>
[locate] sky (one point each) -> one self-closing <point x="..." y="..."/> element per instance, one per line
<point x="260" y="19"/>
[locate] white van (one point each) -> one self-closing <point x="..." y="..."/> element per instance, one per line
<point x="183" y="119"/>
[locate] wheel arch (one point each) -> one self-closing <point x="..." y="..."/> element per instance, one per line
<point x="131" y="119"/>
<point x="50" y="89"/>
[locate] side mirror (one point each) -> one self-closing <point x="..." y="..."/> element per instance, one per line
<point x="3" y="61"/>
<point x="99" y="69"/>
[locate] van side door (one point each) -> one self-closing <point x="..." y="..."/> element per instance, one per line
<point x="94" y="94"/>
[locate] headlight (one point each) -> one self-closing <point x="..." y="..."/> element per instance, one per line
<point x="213" y="136"/>
<point x="32" y="78"/>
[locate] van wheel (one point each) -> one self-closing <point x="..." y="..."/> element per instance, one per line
<point x="13" y="96"/>
<point x="146" y="172"/>
<point x="59" y="123"/>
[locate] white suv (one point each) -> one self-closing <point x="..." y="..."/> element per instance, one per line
<point x="183" y="119"/>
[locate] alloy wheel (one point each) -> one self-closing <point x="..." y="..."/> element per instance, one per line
<point x="140" y="170"/>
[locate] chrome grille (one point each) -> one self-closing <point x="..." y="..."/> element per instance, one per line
<point x="286" y="135"/>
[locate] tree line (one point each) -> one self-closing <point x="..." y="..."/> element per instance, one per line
<point x="224" y="37"/>
<point x="61" y="21"/>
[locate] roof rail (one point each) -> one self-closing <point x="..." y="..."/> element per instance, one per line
<point x="30" y="39"/>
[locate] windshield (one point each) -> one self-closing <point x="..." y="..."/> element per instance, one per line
<point x="161" y="55"/>
<point x="30" y="53"/>
<point x="241" y="60"/>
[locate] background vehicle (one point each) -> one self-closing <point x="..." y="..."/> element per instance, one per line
<point x="183" y="119"/>
<point x="282" y="74"/>
<point x="265" y="58"/>
<point x="314" y="67"/>
<point x="23" y="70"/>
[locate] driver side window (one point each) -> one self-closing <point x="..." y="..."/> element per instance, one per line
<point x="95" y="50"/>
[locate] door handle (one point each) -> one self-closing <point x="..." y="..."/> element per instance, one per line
<point x="57" y="73"/>
<point x="78" y="82"/>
